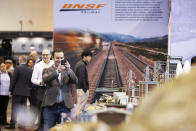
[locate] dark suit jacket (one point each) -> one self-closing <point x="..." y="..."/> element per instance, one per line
<point x="50" y="78"/>
<point x="82" y="74"/>
<point x="21" y="81"/>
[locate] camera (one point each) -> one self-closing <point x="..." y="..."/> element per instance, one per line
<point x="63" y="62"/>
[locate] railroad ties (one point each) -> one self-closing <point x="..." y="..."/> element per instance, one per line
<point x="110" y="79"/>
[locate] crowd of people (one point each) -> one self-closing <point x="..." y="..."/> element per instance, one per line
<point x="47" y="83"/>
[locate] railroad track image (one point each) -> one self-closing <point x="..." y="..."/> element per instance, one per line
<point x="110" y="79"/>
<point x="138" y="63"/>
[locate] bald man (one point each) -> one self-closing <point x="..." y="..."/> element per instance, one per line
<point x="34" y="56"/>
<point x="45" y="63"/>
<point x="38" y="87"/>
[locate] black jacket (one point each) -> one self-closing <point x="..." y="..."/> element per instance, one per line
<point x="82" y="74"/>
<point x="21" y="81"/>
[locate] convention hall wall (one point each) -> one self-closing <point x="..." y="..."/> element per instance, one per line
<point x="31" y="15"/>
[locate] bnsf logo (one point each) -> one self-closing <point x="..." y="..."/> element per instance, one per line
<point x="82" y="6"/>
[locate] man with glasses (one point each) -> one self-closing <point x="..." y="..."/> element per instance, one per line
<point x="38" y="85"/>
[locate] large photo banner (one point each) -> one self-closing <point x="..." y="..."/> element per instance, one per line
<point x="123" y="35"/>
<point x="183" y="29"/>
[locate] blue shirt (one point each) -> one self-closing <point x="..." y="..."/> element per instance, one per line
<point x="60" y="96"/>
<point x="4" y="83"/>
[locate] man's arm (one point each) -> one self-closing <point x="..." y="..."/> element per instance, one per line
<point x="73" y="78"/>
<point x="14" y="80"/>
<point x="49" y="75"/>
<point x="35" y="76"/>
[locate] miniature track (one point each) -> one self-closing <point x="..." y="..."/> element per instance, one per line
<point x="110" y="76"/>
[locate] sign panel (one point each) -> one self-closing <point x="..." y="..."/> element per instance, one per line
<point x="183" y="29"/>
<point x="131" y="34"/>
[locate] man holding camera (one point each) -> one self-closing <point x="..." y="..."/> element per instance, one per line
<point x="58" y="98"/>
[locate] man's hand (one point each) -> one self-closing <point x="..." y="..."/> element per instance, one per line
<point x="67" y="66"/>
<point x="10" y="94"/>
<point x="60" y="68"/>
<point x="87" y="93"/>
<point x="41" y="83"/>
<point x="64" y="67"/>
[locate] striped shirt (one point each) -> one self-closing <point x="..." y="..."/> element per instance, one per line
<point x="4" y="83"/>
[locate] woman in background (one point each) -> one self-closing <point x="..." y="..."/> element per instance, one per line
<point x="30" y="63"/>
<point x="5" y="83"/>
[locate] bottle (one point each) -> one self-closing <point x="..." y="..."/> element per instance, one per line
<point x="63" y="118"/>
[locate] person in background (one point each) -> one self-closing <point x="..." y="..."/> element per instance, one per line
<point x="5" y="83"/>
<point x="9" y="66"/>
<point x="38" y="88"/>
<point x="188" y="65"/>
<point x="30" y="63"/>
<point x="193" y="62"/>
<point x="20" y="88"/>
<point x="83" y="84"/>
<point x="34" y="56"/>
<point x="58" y="97"/>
